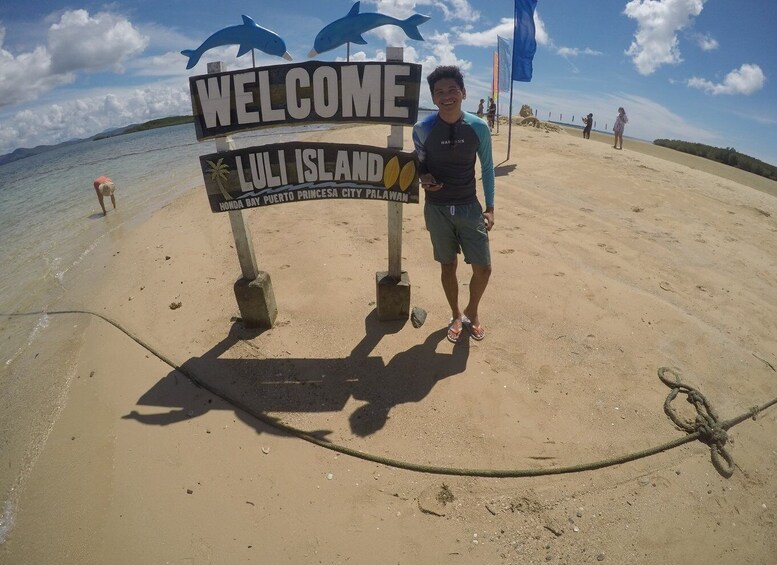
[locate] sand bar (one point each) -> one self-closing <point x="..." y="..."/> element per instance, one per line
<point x="607" y="265"/>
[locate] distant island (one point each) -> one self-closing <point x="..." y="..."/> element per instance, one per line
<point x="153" y="124"/>
<point x="23" y="153"/>
<point x="728" y="156"/>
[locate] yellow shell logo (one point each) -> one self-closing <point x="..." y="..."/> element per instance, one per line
<point x="407" y="175"/>
<point x="391" y="172"/>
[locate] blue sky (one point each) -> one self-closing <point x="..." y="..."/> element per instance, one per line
<point x="696" y="70"/>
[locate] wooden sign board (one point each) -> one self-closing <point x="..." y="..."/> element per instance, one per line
<point x="303" y="171"/>
<point x="310" y="92"/>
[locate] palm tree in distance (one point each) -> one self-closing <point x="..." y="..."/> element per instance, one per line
<point x="220" y="173"/>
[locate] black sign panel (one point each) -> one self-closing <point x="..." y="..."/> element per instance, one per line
<point x="314" y="91"/>
<point x="298" y="172"/>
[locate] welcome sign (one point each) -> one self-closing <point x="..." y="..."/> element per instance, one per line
<point x="301" y="171"/>
<point x="382" y="92"/>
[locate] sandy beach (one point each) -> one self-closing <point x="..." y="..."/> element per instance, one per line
<point x="607" y="266"/>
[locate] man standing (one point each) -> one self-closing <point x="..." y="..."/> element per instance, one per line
<point x="104" y="186"/>
<point x="447" y="144"/>
<point x="589" y="122"/>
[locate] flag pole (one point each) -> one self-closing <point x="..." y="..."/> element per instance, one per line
<point x="512" y="66"/>
<point x="510" y="119"/>
<point x="496" y="83"/>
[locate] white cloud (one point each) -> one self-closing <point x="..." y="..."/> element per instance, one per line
<point x="91" y="114"/>
<point x="452" y="10"/>
<point x="540" y="35"/>
<point x="746" y="80"/>
<point x="487" y="38"/>
<point x="658" y="21"/>
<point x="443" y="53"/>
<point x="576" y="51"/>
<point x="705" y="41"/>
<point x="77" y="42"/>
<point x="83" y="42"/>
<point x="23" y="76"/>
<point x="504" y="28"/>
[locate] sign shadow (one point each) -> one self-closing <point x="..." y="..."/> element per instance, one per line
<point x="502" y="170"/>
<point x="314" y="385"/>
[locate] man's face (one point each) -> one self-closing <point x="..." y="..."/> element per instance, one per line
<point x="447" y="96"/>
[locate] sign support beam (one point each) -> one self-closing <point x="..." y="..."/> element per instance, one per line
<point x="393" y="286"/>
<point x="253" y="291"/>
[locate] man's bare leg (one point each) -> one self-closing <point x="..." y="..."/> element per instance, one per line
<point x="477" y="286"/>
<point x="102" y="203"/>
<point x="450" y="284"/>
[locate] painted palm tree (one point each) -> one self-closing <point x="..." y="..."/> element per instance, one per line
<point x="220" y="173"/>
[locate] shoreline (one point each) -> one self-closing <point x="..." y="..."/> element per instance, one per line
<point x="604" y="271"/>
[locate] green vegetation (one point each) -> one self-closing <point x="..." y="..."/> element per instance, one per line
<point x="153" y="124"/>
<point x="727" y="156"/>
<point x="160" y="123"/>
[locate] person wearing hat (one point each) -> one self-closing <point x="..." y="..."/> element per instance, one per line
<point x="104" y="186"/>
<point x="588" y="121"/>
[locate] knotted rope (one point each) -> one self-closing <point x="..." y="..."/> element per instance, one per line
<point x="706" y="425"/>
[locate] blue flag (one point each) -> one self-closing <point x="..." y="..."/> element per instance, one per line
<point x="505" y="64"/>
<point x="524" y="43"/>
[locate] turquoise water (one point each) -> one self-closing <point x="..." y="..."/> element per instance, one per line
<point x="52" y="227"/>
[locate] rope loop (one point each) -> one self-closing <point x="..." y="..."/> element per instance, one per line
<point x="706" y="426"/>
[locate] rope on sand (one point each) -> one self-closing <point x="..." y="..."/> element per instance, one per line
<point x="707" y="427"/>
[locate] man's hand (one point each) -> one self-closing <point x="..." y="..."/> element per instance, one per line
<point x="429" y="183"/>
<point x="488" y="218"/>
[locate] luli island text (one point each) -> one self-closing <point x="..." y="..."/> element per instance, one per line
<point x="228" y="102"/>
<point x="295" y="172"/>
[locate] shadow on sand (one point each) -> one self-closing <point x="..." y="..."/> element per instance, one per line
<point x="502" y="170"/>
<point x="312" y="385"/>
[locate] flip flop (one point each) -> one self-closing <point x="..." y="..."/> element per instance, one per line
<point x="454" y="334"/>
<point x="477" y="331"/>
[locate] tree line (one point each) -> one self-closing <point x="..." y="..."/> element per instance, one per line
<point x="727" y="156"/>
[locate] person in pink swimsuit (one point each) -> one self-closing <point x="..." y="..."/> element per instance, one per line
<point x="104" y="186"/>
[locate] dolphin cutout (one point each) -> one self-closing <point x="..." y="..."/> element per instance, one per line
<point x="350" y="28"/>
<point x="248" y="36"/>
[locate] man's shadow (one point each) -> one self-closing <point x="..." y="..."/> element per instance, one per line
<point x="271" y="385"/>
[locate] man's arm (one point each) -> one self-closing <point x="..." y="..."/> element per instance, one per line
<point x="487" y="172"/>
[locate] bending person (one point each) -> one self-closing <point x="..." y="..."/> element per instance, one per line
<point x="104" y="186"/>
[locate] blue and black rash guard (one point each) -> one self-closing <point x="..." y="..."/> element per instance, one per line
<point x="448" y="152"/>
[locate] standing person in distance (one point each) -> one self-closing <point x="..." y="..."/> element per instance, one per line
<point x="480" y="109"/>
<point x="448" y="144"/>
<point x="491" y="113"/>
<point x="620" y="123"/>
<point x="589" y="122"/>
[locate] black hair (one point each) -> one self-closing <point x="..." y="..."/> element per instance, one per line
<point x="445" y="71"/>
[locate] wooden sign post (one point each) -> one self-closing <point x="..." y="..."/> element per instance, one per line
<point x="392" y="287"/>
<point x="225" y="102"/>
<point x="253" y="291"/>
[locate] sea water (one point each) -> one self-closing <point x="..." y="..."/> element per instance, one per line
<point x="51" y="228"/>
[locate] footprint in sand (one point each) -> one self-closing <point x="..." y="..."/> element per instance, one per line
<point x="506" y="251"/>
<point x="607" y="248"/>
